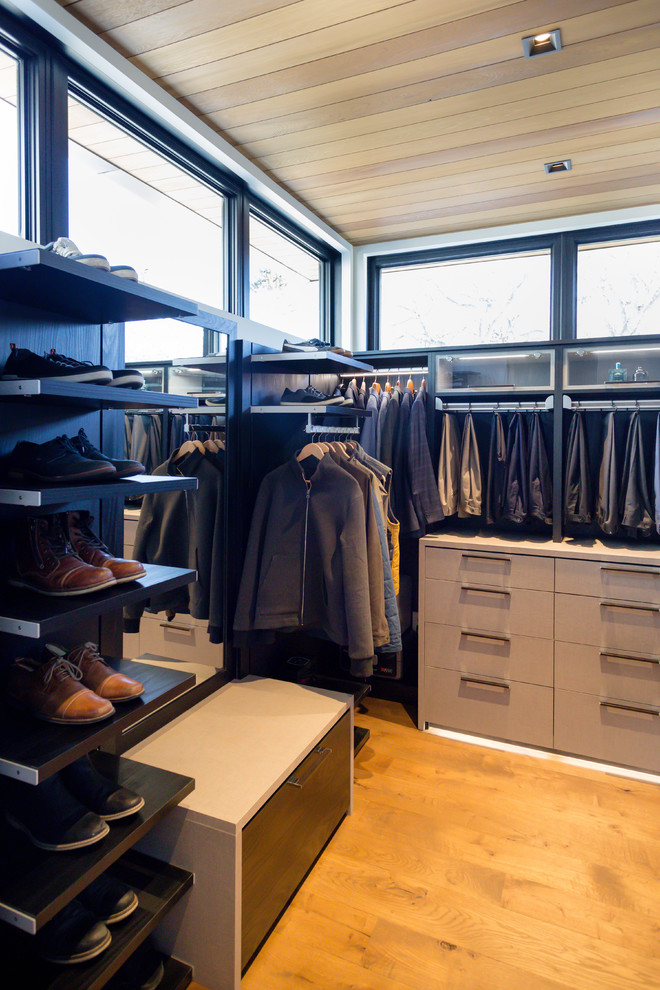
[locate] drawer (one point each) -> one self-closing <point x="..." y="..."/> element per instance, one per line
<point x="474" y="606"/>
<point x="497" y="569"/>
<point x="284" y="838"/>
<point x="626" y="626"/>
<point x="130" y="529"/>
<point x="616" y="674"/>
<point x="602" y="580"/>
<point x="517" y="658"/>
<point x="586" y="726"/>
<point x="505" y="709"/>
<point x="184" y="638"/>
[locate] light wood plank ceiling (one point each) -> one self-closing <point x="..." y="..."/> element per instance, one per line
<point x="400" y="118"/>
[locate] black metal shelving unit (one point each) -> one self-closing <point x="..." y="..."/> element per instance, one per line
<point x="62" y="393"/>
<point x="55" y="497"/>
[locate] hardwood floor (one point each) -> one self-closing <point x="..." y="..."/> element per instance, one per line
<point x="463" y="868"/>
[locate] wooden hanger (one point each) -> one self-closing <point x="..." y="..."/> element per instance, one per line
<point x="411" y="385"/>
<point x="423" y="385"/>
<point x="311" y="450"/>
<point x="186" y="447"/>
<point x="398" y="383"/>
<point x="376" y="385"/>
<point x="388" y="386"/>
<point x="339" y="448"/>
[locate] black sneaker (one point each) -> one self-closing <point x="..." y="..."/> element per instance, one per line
<point x="105" y="797"/>
<point x="308" y="396"/>
<point x="57" y="462"/>
<point x="86" y="449"/>
<point x="73" y="936"/>
<point x="313" y="345"/>
<point x="22" y="363"/>
<point x="143" y="971"/>
<point x="121" y="377"/>
<point x="109" y="899"/>
<point x="52" y="817"/>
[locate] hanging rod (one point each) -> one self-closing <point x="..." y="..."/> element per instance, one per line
<point x="544" y="405"/>
<point x="604" y="404"/>
<point x="316" y="428"/>
<point x="377" y="372"/>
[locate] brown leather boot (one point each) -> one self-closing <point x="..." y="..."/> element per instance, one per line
<point x="52" y="690"/>
<point x="90" y="548"/>
<point x="103" y="680"/>
<point x="45" y="561"/>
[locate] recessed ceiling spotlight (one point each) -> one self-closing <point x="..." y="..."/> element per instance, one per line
<point x="542" y="44"/>
<point x="564" y="165"/>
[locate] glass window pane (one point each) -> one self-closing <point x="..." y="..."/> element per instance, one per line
<point x="489" y="300"/>
<point x="618" y="290"/>
<point x="134" y="207"/>
<point x="9" y="159"/>
<point x="284" y="283"/>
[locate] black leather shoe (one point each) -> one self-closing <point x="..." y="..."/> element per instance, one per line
<point x="109" y="899"/>
<point x="56" y="462"/>
<point x="95" y="791"/>
<point x="51" y="817"/>
<point x="73" y="936"/>
<point x="143" y="971"/>
<point x="85" y="447"/>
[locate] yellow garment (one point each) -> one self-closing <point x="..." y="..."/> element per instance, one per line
<point x="394" y="526"/>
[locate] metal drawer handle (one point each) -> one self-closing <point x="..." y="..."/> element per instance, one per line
<point x="485" y="591"/>
<point x="179" y="626"/>
<point x="323" y="753"/>
<point x="615" y="655"/>
<point x="632" y="570"/>
<point x="480" y="635"/>
<point x="633" y="608"/>
<point x="629" y="708"/>
<point x="485" y="556"/>
<point x="482" y="683"/>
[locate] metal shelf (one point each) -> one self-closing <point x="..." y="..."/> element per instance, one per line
<point x="305" y="409"/>
<point x="33" y="496"/>
<point x="308" y="362"/>
<point x="61" y="393"/>
<point x="43" y="280"/>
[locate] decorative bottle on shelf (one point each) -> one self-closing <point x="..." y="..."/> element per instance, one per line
<point x="640" y="375"/>
<point x="617" y="373"/>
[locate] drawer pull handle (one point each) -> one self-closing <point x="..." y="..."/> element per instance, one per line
<point x="485" y="556"/>
<point x="615" y="655"/>
<point x="178" y="626"/>
<point x="632" y="570"/>
<point x="323" y="753"/>
<point x="485" y="591"/>
<point x="633" y="608"/>
<point x="482" y="683"/>
<point x="480" y="635"/>
<point x="629" y="708"/>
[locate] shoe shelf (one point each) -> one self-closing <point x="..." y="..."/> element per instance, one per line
<point x="32" y="750"/>
<point x="34" y="496"/>
<point x="308" y="408"/>
<point x="43" y="280"/>
<point x="177" y="976"/>
<point x="36" y="884"/>
<point x="308" y="362"/>
<point x="27" y="613"/>
<point x="158" y="885"/>
<point x="56" y="392"/>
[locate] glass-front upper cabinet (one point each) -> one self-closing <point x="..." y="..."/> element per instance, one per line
<point x="625" y="367"/>
<point x="528" y="370"/>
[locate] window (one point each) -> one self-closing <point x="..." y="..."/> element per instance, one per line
<point x="285" y="282"/>
<point x="9" y="142"/>
<point x="136" y="207"/>
<point x="618" y="289"/>
<point x="493" y="299"/>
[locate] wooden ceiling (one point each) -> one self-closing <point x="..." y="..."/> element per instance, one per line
<point x="401" y="118"/>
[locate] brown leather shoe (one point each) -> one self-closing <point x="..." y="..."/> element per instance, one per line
<point x="90" y="548"/>
<point x="52" y="690"/>
<point x="103" y="680"/>
<point x="45" y="562"/>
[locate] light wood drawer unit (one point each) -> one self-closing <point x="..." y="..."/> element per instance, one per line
<point x="489" y="706"/>
<point x="475" y="606"/>
<point x="627" y="626"/>
<point x="609" y="673"/>
<point x="588" y="726"/>
<point x="498" y="570"/>
<point x="284" y="838"/>
<point x="601" y="579"/>
<point x="184" y="638"/>
<point x="518" y="658"/>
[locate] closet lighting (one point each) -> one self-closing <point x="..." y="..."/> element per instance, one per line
<point x="565" y="165"/>
<point x="542" y="44"/>
<point x="489" y="357"/>
<point x="615" y="350"/>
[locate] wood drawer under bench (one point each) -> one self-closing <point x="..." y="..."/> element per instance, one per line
<point x="473" y="606"/>
<point x="608" y="729"/>
<point x="494" y="569"/>
<point x="517" y="658"/>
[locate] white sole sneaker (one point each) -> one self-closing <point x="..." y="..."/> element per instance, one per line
<point x="127" y="379"/>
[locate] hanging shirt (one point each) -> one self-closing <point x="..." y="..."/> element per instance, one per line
<point x="469" y="492"/>
<point x="449" y="465"/>
<point x="402" y="502"/>
<point x="389" y="428"/>
<point x="608" y="513"/>
<point x="382" y="416"/>
<point x="636" y="512"/>
<point x="423" y="487"/>
<point x="370" y="428"/>
<point x="577" y="489"/>
<point x="540" y="475"/>
<point x="496" y="470"/>
<point x="515" y="504"/>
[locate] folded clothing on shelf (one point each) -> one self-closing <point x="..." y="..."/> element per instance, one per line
<point x="25" y="364"/>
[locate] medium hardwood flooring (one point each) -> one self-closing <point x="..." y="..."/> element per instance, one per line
<point x="464" y="868"/>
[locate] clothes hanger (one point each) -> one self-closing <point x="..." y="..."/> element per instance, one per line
<point x="376" y="385"/>
<point x="398" y="383"/>
<point x="338" y="447"/>
<point x="311" y="450"/>
<point x="423" y="385"/>
<point x="186" y="447"/>
<point x="388" y="386"/>
<point x="411" y="385"/>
